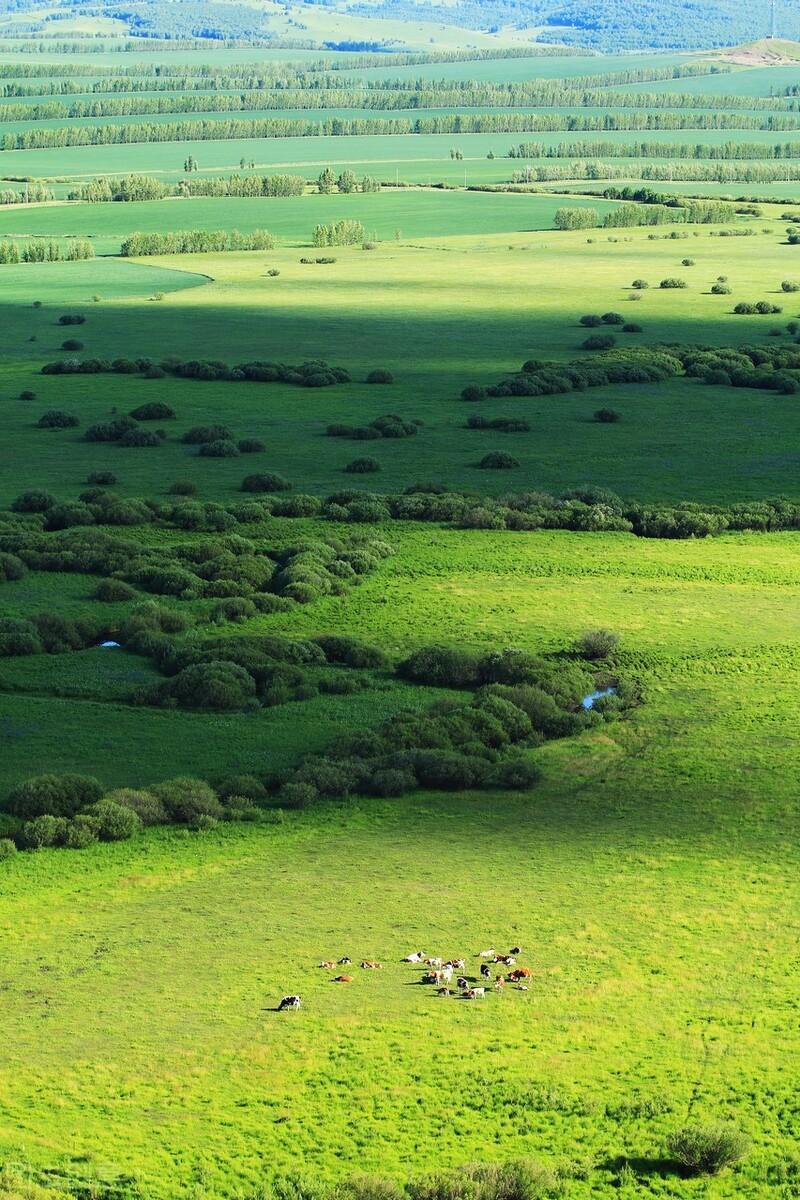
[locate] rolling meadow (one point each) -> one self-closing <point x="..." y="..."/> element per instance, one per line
<point x="314" y="559"/>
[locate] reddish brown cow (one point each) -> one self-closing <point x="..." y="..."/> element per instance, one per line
<point x="520" y="973"/>
<point x="343" y="979"/>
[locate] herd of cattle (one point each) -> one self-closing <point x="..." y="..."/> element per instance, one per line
<point x="439" y="972"/>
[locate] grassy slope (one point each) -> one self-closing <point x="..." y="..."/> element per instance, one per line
<point x="627" y="877"/>
<point x="676" y="441"/>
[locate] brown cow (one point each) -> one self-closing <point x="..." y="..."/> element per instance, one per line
<point x="520" y="973"/>
<point x="326" y="964"/>
<point x="367" y="965"/>
<point x="343" y="979"/>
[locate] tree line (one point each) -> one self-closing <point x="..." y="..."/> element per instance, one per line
<point x="594" y="169"/>
<point x="149" y="187"/>
<point x="195" y="241"/>
<point x="36" y="250"/>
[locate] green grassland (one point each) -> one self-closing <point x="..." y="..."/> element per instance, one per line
<point x="472" y="310"/>
<point x="651" y="876"/>
<point x="419" y="215"/>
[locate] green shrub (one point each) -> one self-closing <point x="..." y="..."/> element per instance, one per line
<point x="72" y="344"/>
<point x="250" y="446"/>
<point x="607" y="416"/>
<point x="219" y="449"/>
<point x="102" y="478"/>
<point x="515" y="774"/>
<point x="599" y="341"/>
<point x="380" y="375"/>
<point x="362" y="466"/>
<point x="631" y="327"/>
<point x="139" y="438"/>
<point x="267" y="482"/>
<point x="640" y="284"/>
<point x="113" y="591"/>
<point x="80" y="833"/>
<point x="789" y="285"/>
<point x="56" y="795"/>
<point x="185" y="799"/>
<point x="498" y="460"/>
<point x="7" y="848"/>
<point x="44" y="831"/>
<point x="112" y="822"/>
<point x="154" y="410"/>
<point x="11" y="567"/>
<point x="34" y="501"/>
<point x="18" y="637"/>
<point x="351" y="652"/>
<point x="671" y="282"/>
<point x="591" y="320"/>
<point x="708" y="1149"/>
<point x="183" y="487"/>
<point x="441" y="666"/>
<point x="56" y="418"/>
<point x="147" y="806"/>
<point x="201" y="434"/>
<point x="473" y="393"/>
<point x="298" y="795"/>
<point x="596" y="644"/>
<point x="612" y="318"/>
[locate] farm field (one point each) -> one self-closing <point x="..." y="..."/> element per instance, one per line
<point x="423" y="580"/>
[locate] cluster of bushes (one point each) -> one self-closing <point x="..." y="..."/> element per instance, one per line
<point x="502" y="424"/>
<point x="592" y="320"/>
<point x="520" y="701"/>
<point x="537" y="378"/>
<point x="47" y="633"/>
<point x="581" y="510"/>
<point x="75" y="811"/>
<point x="243" y="673"/>
<point x="195" y="241"/>
<point x="389" y="426"/>
<point x="325" y="260"/>
<point x="314" y="373"/>
<point x="760" y="306"/>
<point x="768" y="368"/>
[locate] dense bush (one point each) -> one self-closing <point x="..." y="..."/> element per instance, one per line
<point x="11" y="567"/>
<point x="597" y="643"/>
<point x="72" y="319"/>
<point x="145" y="804"/>
<point x="183" y="487"/>
<point x="222" y="448"/>
<point x="250" y="446"/>
<point x="599" y="341"/>
<point x="185" y="799"/>
<point x="266" y="482"/>
<point x="607" y="416"/>
<point x="672" y="283"/>
<point x="138" y="438"/>
<point x="789" y="285"/>
<point x="762" y="307"/>
<point x="362" y="466"/>
<point x="53" y="795"/>
<point x="102" y="478"/>
<point x="18" y="637"/>
<point x="339" y="648"/>
<point x="380" y="375"/>
<point x="72" y="344"/>
<point x="34" y="501"/>
<point x="707" y="1149"/>
<point x="154" y="410"/>
<point x="720" y="289"/>
<point x="473" y="393"/>
<point x="112" y="822"/>
<point x="612" y="318"/>
<point x="113" y="591"/>
<point x="631" y="327"/>
<point x="200" y="435"/>
<point x="56" y="418"/>
<point x="501" y="424"/>
<point x="498" y="460"/>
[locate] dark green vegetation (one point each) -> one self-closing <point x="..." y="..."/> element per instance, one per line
<point x="420" y="573"/>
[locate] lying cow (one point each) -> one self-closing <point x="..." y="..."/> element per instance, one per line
<point x="487" y="953"/>
<point x="367" y="965"/>
<point x="327" y="963"/>
<point x="289" y="1002"/>
<point x="343" y="979"/>
<point x="416" y="957"/>
<point x="519" y="973"/>
<point x="344" y="962"/>
<point x="475" y="993"/>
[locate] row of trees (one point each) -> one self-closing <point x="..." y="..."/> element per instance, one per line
<point x="701" y="172"/>
<point x="339" y="233"/>
<point x="45" y="250"/>
<point x="195" y="241"/>
<point x="149" y="187"/>
<point x="659" y="150"/>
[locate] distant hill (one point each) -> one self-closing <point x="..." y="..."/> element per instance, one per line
<point x="599" y="25"/>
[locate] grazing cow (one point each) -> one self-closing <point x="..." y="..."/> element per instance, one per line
<point x="343" y="979"/>
<point x="475" y="993"/>
<point x="431" y="977"/>
<point x="443" y="991"/>
<point x="520" y="973"/>
<point x="486" y="971"/>
<point x="462" y="982"/>
<point x="367" y="965"/>
<point x="326" y="964"/>
<point x="499" y="983"/>
<point x="416" y="957"/>
<point x="447" y="974"/>
<point x="289" y="1002"/>
<point x="506" y="959"/>
<point x="515" y="950"/>
<point x="487" y="953"/>
<point x="433" y="962"/>
<point x="458" y="964"/>
<point x="344" y="962"/>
